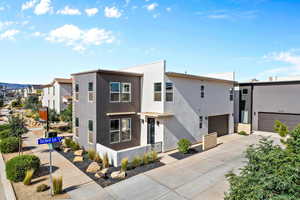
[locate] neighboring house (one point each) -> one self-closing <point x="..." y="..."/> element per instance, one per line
<point x="259" y="104"/>
<point x="33" y="90"/>
<point x="57" y="95"/>
<point x="128" y="112"/>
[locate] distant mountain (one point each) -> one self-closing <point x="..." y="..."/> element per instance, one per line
<point x="14" y="85"/>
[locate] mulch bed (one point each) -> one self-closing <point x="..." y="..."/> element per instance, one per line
<point x="191" y="152"/>
<point x="104" y="182"/>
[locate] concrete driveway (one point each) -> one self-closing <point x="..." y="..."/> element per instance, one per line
<point x="201" y="176"/>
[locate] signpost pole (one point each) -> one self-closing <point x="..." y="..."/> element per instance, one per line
<point x="51" y="185"/>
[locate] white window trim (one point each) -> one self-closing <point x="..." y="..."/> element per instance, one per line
<point x="169" y="92"/>
<point x="129" y="129"/>
<point x="122" y="92"/>
<point x="110" y="131"/>
<point x="154" y="92"/>
<point x="110" y="92"/>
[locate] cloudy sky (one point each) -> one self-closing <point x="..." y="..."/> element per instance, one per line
<point x="43" y="39"/>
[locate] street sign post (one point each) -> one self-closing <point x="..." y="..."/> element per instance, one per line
<point x="50" y="142"/>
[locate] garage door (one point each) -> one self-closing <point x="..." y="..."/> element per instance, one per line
<point x="218" y="124"/>
<point x="266" y="120"/>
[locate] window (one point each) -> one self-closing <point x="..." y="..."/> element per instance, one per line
<point x="202" y="91"/>
<point x="77" y="92"/>
<point x="169" y="92"/>
<point x="91" y="92"/>
<point x="53" y="89"/>
<point x="77" y="122"/>
<point x="157" y="91"/>
<point x="231" y="94"/>
<point x="125" y="92"/>
<point x="77" y="88"/>
<point x="245" y="91"/>
<point x="90" y="133"/>
<point x="114" y="92"/>
<point x="48" y="90"/>
<point x="126" y="130"/>
<point x="200" y="121"/>
<point x="54" y="104"/>
<point x="114" y="131"/>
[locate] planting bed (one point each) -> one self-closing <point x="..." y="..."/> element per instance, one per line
<point x="194" y="150"/>
<point x="104" y="182"/>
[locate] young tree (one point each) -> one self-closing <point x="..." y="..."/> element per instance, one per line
<point x="18" y="128"/>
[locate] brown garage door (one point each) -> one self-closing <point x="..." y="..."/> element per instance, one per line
<point x="266" y="120"/>
<point x="218" y="124"/>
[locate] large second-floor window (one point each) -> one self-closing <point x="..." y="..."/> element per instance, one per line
<point x="157" y="91"/>
<point x="169" y="92"/>
<point x="202" y="91"/>
<point x="91" y="92"/>
<point x="77" y="92"/>
<point x="120" y="92"/>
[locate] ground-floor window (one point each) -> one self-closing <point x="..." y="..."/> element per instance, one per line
<point x="126" y="130"/>
<point x="90" y="132"/>
<point x="120" y="130"/>
<point x="114" y="131"/>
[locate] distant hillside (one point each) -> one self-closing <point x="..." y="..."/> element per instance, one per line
<point x="14" y="85"/>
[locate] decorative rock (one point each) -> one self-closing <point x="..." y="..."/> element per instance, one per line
<point x="118" y="175"/>
<point x="100" y="175"/>
<point x="104" y="171"/>
<point x="78" y="153"/>
<point x="93" y="167"/>
<point x="78" y="159"/>
<point x="66" y="150"/>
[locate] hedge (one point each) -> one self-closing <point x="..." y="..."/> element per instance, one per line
<point x="16" y="167"/>
<point x="4" y="127"/>
<point x="5" y="133"/>
<point x="9" y="145"/>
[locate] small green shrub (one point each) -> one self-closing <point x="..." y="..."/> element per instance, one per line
<point x="17" y="167"/>
<point x="145" y="159"/>
<point x="153" y="156"/>
<point x="242" y="133"/>
<point x="136" y="162"/>
<point x="4" y="127"/>
<point x="74" y="146"/>
<point x="124" y="164"/>
<point x="42" y="188"/>
<point x="28" y="176"/>
<point x="9" y="145"/>
<point x="68" y="142"/>
<point x="5" y="133"/>
<point x="57" y="185"/>
<point x="183" y="145"/>
<point x="98" y="158"/>
<point x="105" y="161"/>
<point x="92" y="154"/>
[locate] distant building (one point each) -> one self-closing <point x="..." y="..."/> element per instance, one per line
<point x="33" y="90"/>
<point x="58" y="94"/>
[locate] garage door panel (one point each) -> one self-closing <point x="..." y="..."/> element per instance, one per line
<point x="266" y="121"/>
<point x="218" y="124"/>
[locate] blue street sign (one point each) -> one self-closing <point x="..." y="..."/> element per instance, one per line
<point x="49" y="140"/>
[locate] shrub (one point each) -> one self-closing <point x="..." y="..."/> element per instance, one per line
<point x="145" y="159"/>
<point x="136" y="162"/>
<point x="153" y="156"/>
<point x="5" y="133"/>
<point x="53" y="116"/>
<point x="124" y="164"/>
<point x="4" y="127"/>
<point x="28" y="176"/>
<point x="57" y="185"/>
<point x="184" y="145"/>
<point x="98" y="158"/>
<point x="68" y="142"/>
<point x="242" y="133"/>
<point x="105" y="161"/>
<point x="42" y="188"/>
<point x="9" y="145"/>
<point x="17" y="166"/>
<point x="92" y="154"/>
<point x="74" y="146"/>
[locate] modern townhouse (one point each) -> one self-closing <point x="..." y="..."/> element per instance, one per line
<point x="33" y="90"/>
<point x="128" y="112"/>
<point x="58" y="94"/>
<point x="260" y="103"/>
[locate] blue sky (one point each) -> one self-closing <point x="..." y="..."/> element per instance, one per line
<point x="43" y="39"/>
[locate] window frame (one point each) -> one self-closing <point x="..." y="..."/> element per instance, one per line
<point x="202" y="93"/>
<point x="130" y="129"/>
<point x="155" y="92"/>
<point x="122" y="92"/>
<point x="76" y="120"/>
<point x="110" y="92"/>
<point x="169" y="92"/>
<point x="245" y="89"/>
<point x="76" y="92"/>
<point x="110" y="131"/>
<point x="91" y="92"/>
<point x="231" y="94"/>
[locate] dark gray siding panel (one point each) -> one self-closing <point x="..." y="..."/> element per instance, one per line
<point x="218" y="124"/>
<point x="266" y="121"/>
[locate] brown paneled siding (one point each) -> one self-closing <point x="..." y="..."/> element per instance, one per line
<point x="104" y="106"/>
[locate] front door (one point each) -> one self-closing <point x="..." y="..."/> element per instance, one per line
<point x="151" y="131"/>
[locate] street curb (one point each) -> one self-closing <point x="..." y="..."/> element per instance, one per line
<point x="8" y="189"/>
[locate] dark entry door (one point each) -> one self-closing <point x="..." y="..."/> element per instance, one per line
<point x="218" y="124"/>
<point x="151" y="131"/>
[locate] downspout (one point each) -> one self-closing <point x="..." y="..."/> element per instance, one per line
<point x="251" y="117"/>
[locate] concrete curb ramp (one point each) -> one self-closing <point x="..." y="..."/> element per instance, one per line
<point x="8" y="189"/>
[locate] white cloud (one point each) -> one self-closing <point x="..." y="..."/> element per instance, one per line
<point x="69" y="11"/>
<point x="91" y="11"/>
<point x="9" y="34"/>
<point x="28" y="4"/>
<point x="2" y="8"/>
<point x="112" y="12"/>
<point x="169" y="9"/>
<point x="6" y="24"/>
<point x="228" y="14"/>
<point x="38" y="34"/>
<point x="152" y="6"/>
<point x="79" y="39"/>
<point x="43" y="7"/>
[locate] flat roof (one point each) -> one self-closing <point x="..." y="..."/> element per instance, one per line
<point x="116" y="72"/>
<point x="59" y="80"/>
<point x="286" y="82"/>
<point x="196" y="77"/>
